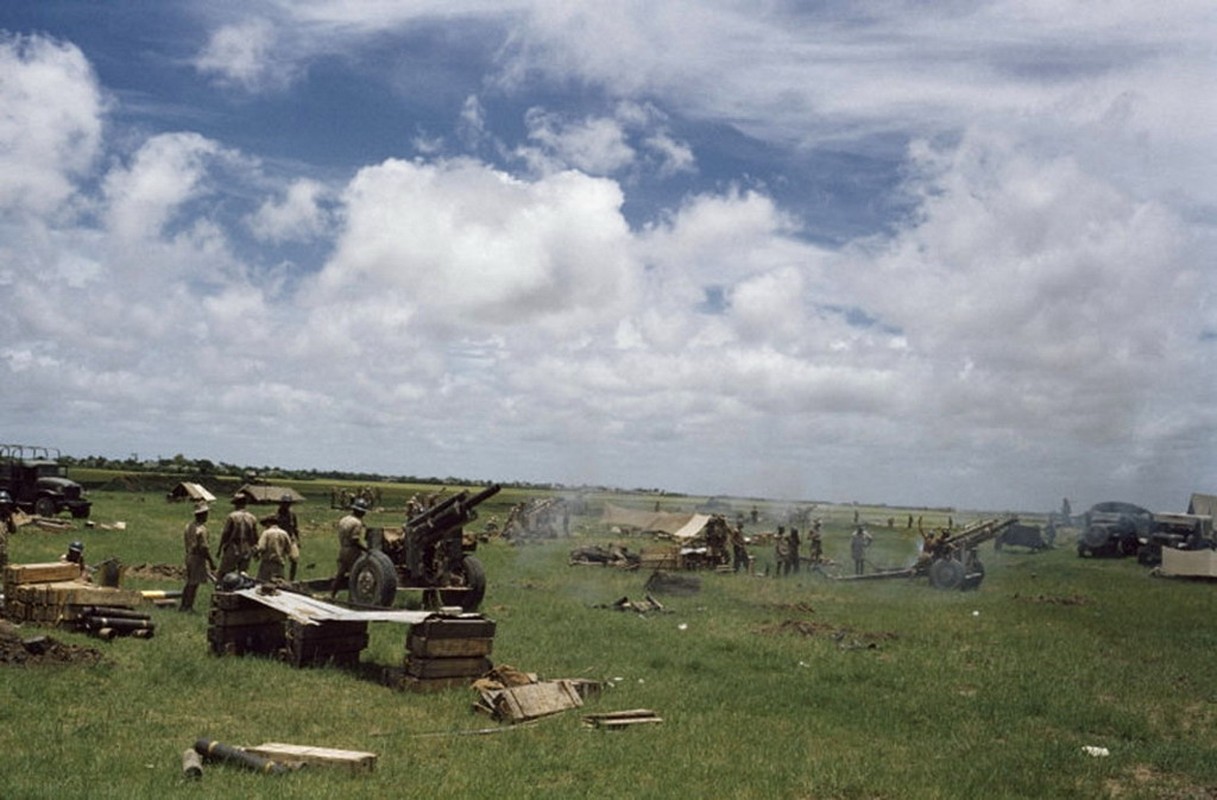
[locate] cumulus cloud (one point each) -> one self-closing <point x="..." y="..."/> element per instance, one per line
<point x="297" y="215"/>
<point x="50" y="121"/>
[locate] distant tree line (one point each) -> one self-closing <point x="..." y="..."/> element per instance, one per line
<point x="199" y="468"/>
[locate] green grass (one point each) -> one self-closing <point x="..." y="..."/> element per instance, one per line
<point x="988" y="693"/>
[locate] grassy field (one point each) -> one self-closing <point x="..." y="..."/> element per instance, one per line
<point x="793" y="687"/>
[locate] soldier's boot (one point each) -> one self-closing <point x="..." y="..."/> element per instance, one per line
<point x="188" y="593"/>
<point x="291" y="573"/>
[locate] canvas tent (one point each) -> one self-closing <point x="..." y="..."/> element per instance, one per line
<point x="194" y="492"/>
<point x="1204" y="505"/>
<point x="646" y="521"/>
<point x="263" y="494"/>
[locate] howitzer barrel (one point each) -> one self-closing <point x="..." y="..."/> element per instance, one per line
<point x="456" y="510"/>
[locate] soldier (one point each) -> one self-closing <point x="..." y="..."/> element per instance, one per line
<point x="350" y="542"/>
<point x="815" y="544"/>
<point x="781" y="552"/>
<point x="793" y="555"/>
<point x="857" y="548"/>
<point x="7" y="525"/>
<point x="238" y="537"/>
<point x="739" y="549"/>
<point x="273" y="550"/>
<point x="288" y="522"/>
<point x="198" y="556"/>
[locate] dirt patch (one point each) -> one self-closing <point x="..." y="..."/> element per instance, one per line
<point x="1142" y="780"/>
<point x="1055" y="599"/>
<point x="20" y="649"/>
<point x="161" y="572"/>
<point x="846" y="638"/>
<point x="796" y="608"/>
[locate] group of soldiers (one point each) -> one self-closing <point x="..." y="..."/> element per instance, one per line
<point x="787" y="546"/>
<point x="277" y="547"/>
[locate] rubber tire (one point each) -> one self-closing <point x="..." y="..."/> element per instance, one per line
<point x="946" y="574"/>
<point x="1096" y="537"/>
<point x="44" y="507"/>
<point x="373" y="580"/>
<point x="475" y="578"/>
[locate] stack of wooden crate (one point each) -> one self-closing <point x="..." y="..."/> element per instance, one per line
<point x="330" y="642"/>
<point x="444" y="651"/>
<point x="55" y="594"/>
<point x="238" y="626"/>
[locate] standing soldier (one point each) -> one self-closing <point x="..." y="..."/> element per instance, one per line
<point x="781" y="552"/>
<point x="350" y="542"/>
<point x="273" y="550"/>
<point x="198" y="556"/>
<point x="815" y="544"/>
<point x="739" y="549"/>
<point x="793" y="555"/>
<point x="288" y="522"/>
<point x="857" y="548"/>
<point x="238" y="538"/>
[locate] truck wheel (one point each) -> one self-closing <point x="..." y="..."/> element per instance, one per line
<point x="373" y="580"/>
<point x="974" y="577"/>
<point x="946" y="573"/>
<point x="1096" y="537"/>
<point x="44" y="507"/>
<point x="474" y="576"/>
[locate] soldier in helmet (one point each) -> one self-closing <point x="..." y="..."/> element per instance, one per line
<point x="350" y="542"/>
<point x="238" y="538"/>
<point x="198" y="556"/>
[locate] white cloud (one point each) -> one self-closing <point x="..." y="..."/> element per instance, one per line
<point x="594" y="145"/>
<point x="245" y="55"/>
<point x="165" y="173"/>
<point x="50" y="121"/>
<point x="297" y="216"/>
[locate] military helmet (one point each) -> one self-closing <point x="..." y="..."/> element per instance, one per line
<point x="287" y="498"/>
<point x="201" y="508"/>
<point x="359" y="504"/>
<point x="6" y="499"/>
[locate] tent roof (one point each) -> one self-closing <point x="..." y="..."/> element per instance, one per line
<point x="692" y="528"/>
<point x="193" y="491"/>
<point x="270" y="495"/>
<point x="1203" y="504"/>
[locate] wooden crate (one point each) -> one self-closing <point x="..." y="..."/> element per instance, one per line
<point x="353" y="761"/>
<point x="238" y="626"/>
<point x="334" y="642"/>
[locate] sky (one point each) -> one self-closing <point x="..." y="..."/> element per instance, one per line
<point x="923" y="253"/>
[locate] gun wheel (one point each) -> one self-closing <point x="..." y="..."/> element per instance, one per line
<point x="373" y="580"/>
<point x="473" y="578"/>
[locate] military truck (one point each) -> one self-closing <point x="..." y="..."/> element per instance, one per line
<point x="1176" y="531"/>
<point x="431" y="552"/>
<point x="1113" y="529"/>
<point x="38" y="483"/>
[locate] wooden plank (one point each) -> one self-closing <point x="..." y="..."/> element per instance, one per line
<point x="520" y="703"/>
<point x="354" y="761"/>
<point x="396" y="678"/>
<point x="84" y="594"/>
<point x="427" y="647"/>
<point x="454" y="628"/>
<point x="257" y="615"/>
<point x="447" y="667"/>
<point x="41" y="573"/>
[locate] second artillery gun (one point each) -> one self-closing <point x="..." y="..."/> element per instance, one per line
<point x="429" y="552"/>
<point x="950" y="558"/>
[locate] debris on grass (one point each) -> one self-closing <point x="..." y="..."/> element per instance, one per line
<point x="41" y="650"/>
<point x="622" y="719"/>
<point x="1055" y="599"/>
<point x="846" y="638"/>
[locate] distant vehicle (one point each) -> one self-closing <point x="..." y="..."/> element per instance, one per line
<point x="1114" y="529"/>
<point x="1031" y="537"/>
<point x="1177" y="532"/>
<point x="38" y="483"/>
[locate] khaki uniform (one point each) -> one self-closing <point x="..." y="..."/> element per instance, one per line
<point x="198" y="557"/>
<point x="273" y="550"/>
<point x="237" y="541"/>
<point x="350" y="547"/>
<point x="289" y="523"/>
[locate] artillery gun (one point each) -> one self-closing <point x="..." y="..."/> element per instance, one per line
<point x="950" y="559"/>
<point x="430" y="553"/>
